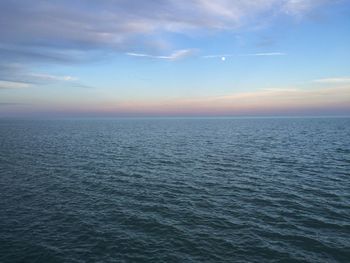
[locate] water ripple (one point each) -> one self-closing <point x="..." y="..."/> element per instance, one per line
<point x="226" y="190"/>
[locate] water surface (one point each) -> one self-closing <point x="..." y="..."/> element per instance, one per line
<point x="175" y="190"/>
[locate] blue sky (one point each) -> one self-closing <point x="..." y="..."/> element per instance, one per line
<point x="167" y="57"/>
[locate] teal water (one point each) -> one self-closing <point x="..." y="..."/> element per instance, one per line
<point x="175" y="190"/>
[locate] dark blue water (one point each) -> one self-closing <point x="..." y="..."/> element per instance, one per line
<point x="175" y="190"/>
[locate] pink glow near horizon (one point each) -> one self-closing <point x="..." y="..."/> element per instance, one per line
<point x="334" y="100"/>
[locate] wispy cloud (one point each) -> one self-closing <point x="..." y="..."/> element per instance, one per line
<point x="219" y="56"/>
<point x="179" y="54"/>
<point x="14" y="76"/>
<point x="63" y="32"/>
<point x="300" y="7"/>
<point x="14" y="85"/>
<point x="333" y="80"/>
<point x="43" y="76"/>
<point x="266" y="54"/>
<point x="247" y="55"/>
<point x="85" y="26"/>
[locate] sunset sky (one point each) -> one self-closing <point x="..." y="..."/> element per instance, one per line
<point x="174" y="58"/>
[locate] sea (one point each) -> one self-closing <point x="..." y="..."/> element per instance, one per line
<point x="175" y="190"/>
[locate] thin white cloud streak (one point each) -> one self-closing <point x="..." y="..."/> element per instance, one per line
<point x="247" y="55"/>
<point x="49" y="77"/>
<point x="219" y="56"/>
<point x="14" y="76"/>
<point x="333" y="80"/>
<point x="14" y="85"/>
<point x="266" y="54"/>
<point x="179" y="54"/>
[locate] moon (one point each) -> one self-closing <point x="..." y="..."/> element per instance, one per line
<point x="223" y="58"/>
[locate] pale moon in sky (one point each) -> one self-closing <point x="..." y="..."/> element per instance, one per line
<point x="223" y="58"/>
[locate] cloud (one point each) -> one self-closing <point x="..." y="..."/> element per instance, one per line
<point x="179" y="54"/>
<point x="300" y="7"/>
<point x="13" y="85"/>
<point x="219" y="56"/>
<point x="49" y="77"/>
<point x="266" y="54"/>
<point x="42" y="29"/>
<point x="247" y="55"/>
<point x="66" y="32"/>
<point x="333" y="80"/>
<point x="18" y="76"/>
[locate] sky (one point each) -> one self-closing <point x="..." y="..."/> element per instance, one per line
<point x="116" y="58"/>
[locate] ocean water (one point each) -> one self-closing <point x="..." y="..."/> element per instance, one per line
<point x="175" y="190"/>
